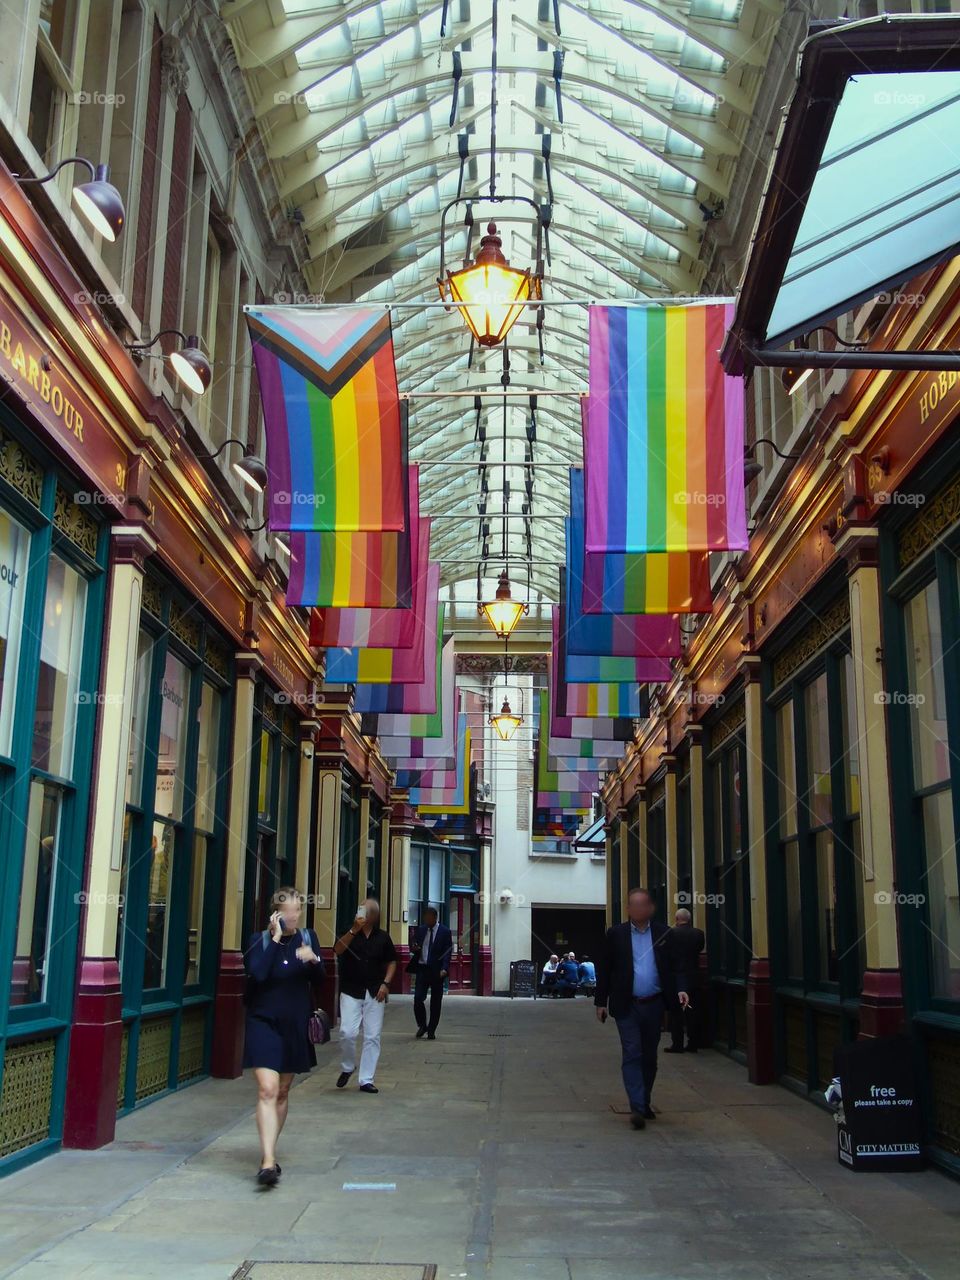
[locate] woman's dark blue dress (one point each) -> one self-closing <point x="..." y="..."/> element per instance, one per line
<point x="280" y="999"/>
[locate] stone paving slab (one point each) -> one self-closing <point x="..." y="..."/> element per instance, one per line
<point x="509" y="1156"/>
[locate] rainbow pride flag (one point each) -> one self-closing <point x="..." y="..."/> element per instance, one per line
<point x="375" y="628"/>
<point x="331" y="408"/>
<point x="615" y="635"/>
<point x="619" y="728"/>
<point x="663" y="434"/>
<point x="421" y="736"/>
<point x="357" y="570"/>
<point x="601" y="668"/>
<point x="394" y="666"/>
<point x="439" y="775"/>
<point x="456" y="799"/>
<point x="634" y="582"/>
<point x="409" y="697"/>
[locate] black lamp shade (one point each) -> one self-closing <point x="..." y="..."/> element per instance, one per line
<point x="100" y="203"/>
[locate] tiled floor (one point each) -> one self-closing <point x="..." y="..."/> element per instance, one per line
<point x="498" y="1151"/>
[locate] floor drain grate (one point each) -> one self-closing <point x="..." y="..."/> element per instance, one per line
<point x="499" y="1035"/>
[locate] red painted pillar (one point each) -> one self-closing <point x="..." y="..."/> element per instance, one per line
<point x="226" y="1058"/>
<point x="881" y="1003"/>
<point x="93" y="1070"/>
<point x="760" y="1061"/>
<point x="485" y="975"/>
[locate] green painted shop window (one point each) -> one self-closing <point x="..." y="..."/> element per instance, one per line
<point x="58" y="683"/>
<point x="172" y="747"/>
<point x="30" y="969"/>
<point x="138" y="719"/>
<point x="158" y="901"/>
<point x="819" y="799"/>
<point x="925" y="678"/>
<point x="14" y="558"/>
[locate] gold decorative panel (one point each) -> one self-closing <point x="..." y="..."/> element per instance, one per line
<point x="152" y="596"/>
<point x="185" y="627"/>
<point x="20" y="470"/>
<point x="270" y="712"/>
<point x="190" y="1061"/>
<point x="834" y="619"/>
<point x="124" y="1057"/>
<point x="75" y="522"/>
<point x="153" y="1057"/>
<point x="26" y="1098"/>
<point x="943" y="1058"/>
<point x="828" y="1038"/>
<point x="217" y="658"/>
<point x="930" y="523"/>
<point x="728" y="724"/>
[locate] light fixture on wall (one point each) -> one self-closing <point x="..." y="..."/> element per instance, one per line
<point x="98" y="200"/>
<point x="188" y="362"/>
<point x="248" y="467"/>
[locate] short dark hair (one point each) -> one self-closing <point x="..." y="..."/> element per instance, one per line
<point x="639" y="889"/>
<point x="431" y="910"/>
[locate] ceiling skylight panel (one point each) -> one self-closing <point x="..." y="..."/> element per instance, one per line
<point x="337" y="88"/>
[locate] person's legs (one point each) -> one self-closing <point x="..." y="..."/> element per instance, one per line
<point x="650" y="1021"/>
<point x="372" y="1026"/>
<point x="283" y="1097"/>
<point x="268" y="1122"/>
<point x="436" y="1001"/>
<point x="676" y="1026"/>
<point x="631" y="1044"/>
<point x="420" y="989"/>
<point x="351" y="1013"/>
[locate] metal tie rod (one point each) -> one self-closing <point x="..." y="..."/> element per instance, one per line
<point x="677" y="300"/>
<point x="502" y="393"/>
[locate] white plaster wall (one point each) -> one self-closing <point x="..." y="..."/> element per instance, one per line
<point x="533" y="881"/>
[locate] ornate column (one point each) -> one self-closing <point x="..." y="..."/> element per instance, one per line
<point x="760" y="1060"/>
<point x="623" y="836"/>
<point x="227" y="1053"/>
<point x="673" y="835"/>
<point x="698" y="907"/>
<point x="401" y="832"/>
<point x="93" y="1071"/>
<point x="881" y="1000"/>
<point x="326" y="869"/>
<point x="301" y="874"/>
<point x="483" y="979"/>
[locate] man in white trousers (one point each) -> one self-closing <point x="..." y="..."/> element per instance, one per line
<point x="367" y="961"/>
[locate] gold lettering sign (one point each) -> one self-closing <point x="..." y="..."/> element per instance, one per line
<point x="942" y="387"/>
<point x="28" y="367"/>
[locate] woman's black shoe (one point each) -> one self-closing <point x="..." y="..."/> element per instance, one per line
<point x="342" y="1079"/>
<point x="268" y="1177"/>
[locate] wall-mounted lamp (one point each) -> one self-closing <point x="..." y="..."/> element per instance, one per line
<point x="188" y="362"/>
<point x="248" y="467"/>
<point x="97" y="200"/>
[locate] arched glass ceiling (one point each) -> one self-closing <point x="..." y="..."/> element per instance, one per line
<point x="644" y="107"/>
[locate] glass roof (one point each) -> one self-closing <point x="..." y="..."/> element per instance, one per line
<point x="643" y="107"/>
<point x="886" y="197"/>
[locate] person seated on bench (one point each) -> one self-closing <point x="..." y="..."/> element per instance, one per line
<point x="548" y="978"/>
<point x="588" y="976"/>
<point x="568" y="977"/>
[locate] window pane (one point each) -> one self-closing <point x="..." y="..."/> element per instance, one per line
<point x="736" y="833"/>
<point x="416" y="883"/>
<point x="208" y="757"/>
<point x="851" y="736"/>
<point x="266" y="775"/>
<point x="158" y="898"/>
<point x="826" y="906"/>
<point x="195" y="910"/>
<point x="14" y="552"/>
<point x="172" y="748"/>
<point x="435" y="891"/>
<point x="786" y="771"/>
<point x="928" y="716"/>
<point x="138" y="721"/>
<point x="36" y="894"/>
<point x="284" y="817"/>
<point x="818" y="751"/>
<point x="940" y="889"/>
<point x="61" y="647"/>
<point x="791" y="870"/>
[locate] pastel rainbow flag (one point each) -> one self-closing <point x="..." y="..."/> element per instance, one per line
<point x="413" y="697"/>
<point x="602" y="668"/>
<point x="663" y="433"/>
<point x="572" y="726"/>
<point x="357" y="570"/>
<point x="436" y="800"/>
<point x="428" y="773"/>
<point x="624" y="635"/>
<point x="421" y="736"/>
<point x="375" y="628"/>
<point x="331" y="408"/>
<point x="635" y="581"/>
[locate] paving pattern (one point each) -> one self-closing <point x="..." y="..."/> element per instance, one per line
<point x="500" y="1151"/>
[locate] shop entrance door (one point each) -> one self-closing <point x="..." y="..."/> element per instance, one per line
<point x="463" y="926"/>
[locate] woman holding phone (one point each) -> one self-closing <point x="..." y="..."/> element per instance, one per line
<point x="284" y="969"/>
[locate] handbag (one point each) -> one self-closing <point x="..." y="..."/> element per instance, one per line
<point x="318" y="1028"/>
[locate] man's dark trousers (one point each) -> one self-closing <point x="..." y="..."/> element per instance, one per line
<point x="639" y="1038"/>
<point x="428" y="980"/>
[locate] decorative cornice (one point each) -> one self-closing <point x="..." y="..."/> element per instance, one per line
<point x="728" y="723"/>
<point x="75" y="523"/>
<point x="131" y="544"/>
<point x="930" y="523"/>
<point x="833" y="620"/>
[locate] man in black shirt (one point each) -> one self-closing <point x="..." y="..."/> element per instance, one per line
<point x="368" y="961"/>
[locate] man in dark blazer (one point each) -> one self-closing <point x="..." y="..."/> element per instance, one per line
<point x="690" y="942"/>
<point x="432" y="948"/>
<point x="641" y="972"/>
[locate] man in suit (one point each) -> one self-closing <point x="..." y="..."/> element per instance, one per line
<point x="432" y="947"/>
<point x="689" y="941"/>
<point x="641" y="972"/>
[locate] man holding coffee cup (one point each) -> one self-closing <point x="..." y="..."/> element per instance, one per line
<point x="367" y="960"/>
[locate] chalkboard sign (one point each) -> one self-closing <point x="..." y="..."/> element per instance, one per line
<point x="879" y="1124"/>
<point x="523" y="979"/>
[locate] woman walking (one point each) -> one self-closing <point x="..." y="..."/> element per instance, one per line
<point x="284" y="970"/>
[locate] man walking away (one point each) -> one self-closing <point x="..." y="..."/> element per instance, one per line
<point x="689" y="941"/>
<point x="639" y="973"/>
<point x="368" y="961"/>
<point x="432" y="948"/>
